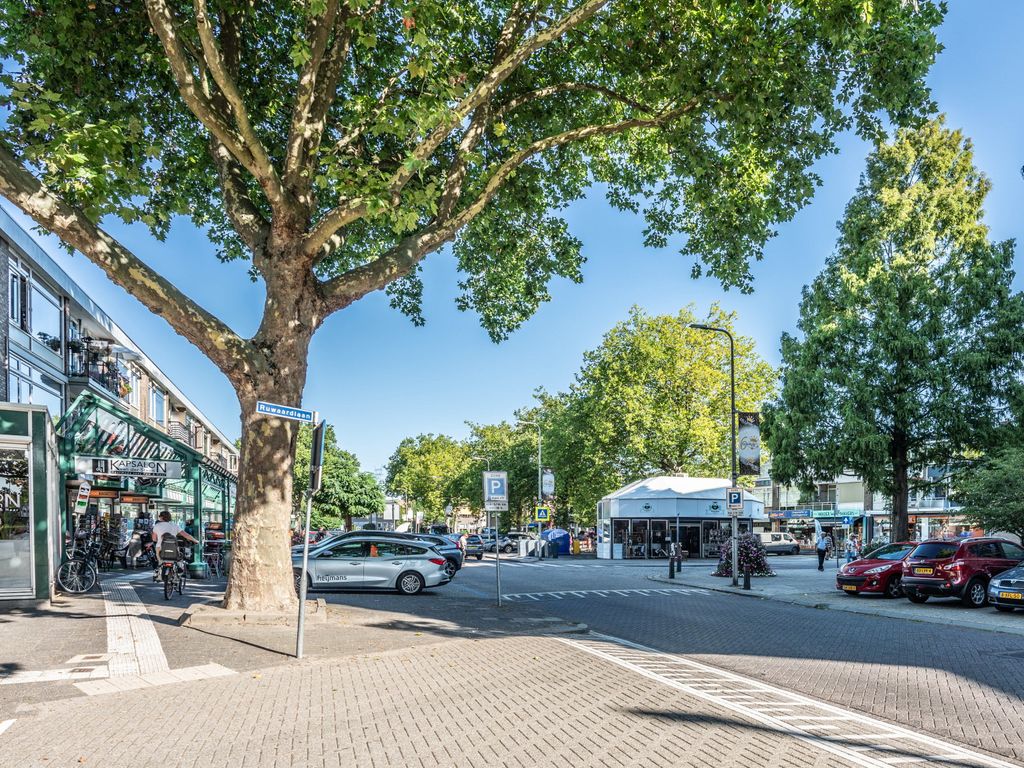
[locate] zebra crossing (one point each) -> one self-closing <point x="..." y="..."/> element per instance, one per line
<point x="556" y="564"/>
<point x="569" y="594"/>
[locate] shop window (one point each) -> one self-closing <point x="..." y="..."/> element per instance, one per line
<point x="15" y="522"/>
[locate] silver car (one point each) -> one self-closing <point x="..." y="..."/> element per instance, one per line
<point x="372" y="562"/>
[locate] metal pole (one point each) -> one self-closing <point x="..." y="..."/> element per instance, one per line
<point x="305" y="566"/>
<point x="735" y="477"/>
<point x="540" y="496"/>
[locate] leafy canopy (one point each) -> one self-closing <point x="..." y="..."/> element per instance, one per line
<point x="384" y="128"/>
<point x="345" y="490"/>
<point x="991" y="491"/>
<point x="425" y="468"/>
<point x="910" y="350"/>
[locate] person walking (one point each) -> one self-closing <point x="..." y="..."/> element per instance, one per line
<point x="851" y="548"/>
<point x="821" y="545"/>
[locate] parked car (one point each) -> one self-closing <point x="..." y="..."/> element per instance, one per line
<point x="879" y="571"/>
<point x="504" y="542"/>
<point x="453" y="555"/>
<point x="957" y="568"/>
<point x="474" y="546"/>
<point x="372" y="562"/>
<point x="1006" y="590"/>
<point x="779" y="543"/>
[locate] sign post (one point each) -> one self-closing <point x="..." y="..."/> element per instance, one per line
<point x="315" y="464"/>
<point x="496" y="500"/>
<point x="734" y="502"/>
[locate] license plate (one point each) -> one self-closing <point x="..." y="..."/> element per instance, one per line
<point x="849" y="587"/>
<point x="1012" y="595"/>
<point x="924" y="571"/>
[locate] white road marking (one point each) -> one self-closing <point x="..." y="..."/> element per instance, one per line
<point x="129" y="682"/>
<point x="602" y="593"/>
<point x="132" y="641"/>
<point x="5" y="725"/>
<point x="911" y="746"/>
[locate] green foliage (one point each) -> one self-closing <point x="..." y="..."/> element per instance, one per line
<point x="511" y="448"/>
<point x="653" y="398"/>
<point x="740" y="99"/>
<point x="426" y="469"/>
<point x="910" y="352"/>
<point x="991" y="491"/>
<point x="345" y="491"/>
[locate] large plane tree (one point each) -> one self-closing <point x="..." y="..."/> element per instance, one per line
<point x="333" y="144"/>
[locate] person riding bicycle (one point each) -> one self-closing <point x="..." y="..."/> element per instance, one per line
<point x="166" y="527"/>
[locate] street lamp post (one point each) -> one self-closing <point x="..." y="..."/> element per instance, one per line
<point x="497" y="547"/>
<point x="540" y="489"/>
<point x="732" y="428"/>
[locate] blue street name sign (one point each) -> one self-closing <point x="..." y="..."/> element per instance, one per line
<point x="284" y="412"/>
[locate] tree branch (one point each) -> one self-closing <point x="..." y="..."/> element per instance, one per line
<point x="245" y="218"/>
<point x="353" y="209"/>
<point x="228" y="351"/>
<point x="542" y="93"/>
<point x="263" y="169"/>
<point x="301" y="130"/>
<point x="340" y="291"/>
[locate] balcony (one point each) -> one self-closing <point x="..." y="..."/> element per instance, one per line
<point x="99" y="375"/>
<point x="180" y="432"/>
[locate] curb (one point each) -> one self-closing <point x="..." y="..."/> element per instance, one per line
<point x="853" y="608"/>
<point x="202" y="616"/>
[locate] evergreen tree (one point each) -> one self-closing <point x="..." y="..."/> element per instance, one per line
<point x="909" y="352"/>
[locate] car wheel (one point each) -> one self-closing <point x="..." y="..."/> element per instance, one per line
<point x="1005" y="608"/>
<point x="796" y="550"/>
<point x="975" y="594"/>
<point x="916" y="597"/>
<point x="894" y="588"/>
<point x="507" y="549"/>
<point x="409" y="583"/>
<point x="451" y="568"/>
<point x="480" y="556"/>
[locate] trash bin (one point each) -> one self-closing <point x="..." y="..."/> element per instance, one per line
<point x="524" y="547"/>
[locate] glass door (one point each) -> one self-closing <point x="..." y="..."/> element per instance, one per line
<point x="659" y="538"/>
<point x="639" y="544"/>
<point x="15" y="522"/>
<point x="620" y="539"/>
<point x="690" y="539"/>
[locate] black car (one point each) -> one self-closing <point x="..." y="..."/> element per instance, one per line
<point x="475" y="546"/>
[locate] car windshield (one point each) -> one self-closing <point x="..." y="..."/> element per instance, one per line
<point x="936" y="550"/>
<point x="889" y="552"/>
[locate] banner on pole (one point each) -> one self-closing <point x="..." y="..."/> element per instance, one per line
<point x="749" y="443"/>
<point x="547" y="485"/>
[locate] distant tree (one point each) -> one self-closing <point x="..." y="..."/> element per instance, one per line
<point x="653" y="398"/>
<point x="511" y="448"/>
<point x="426" y="469"/>
<point x="334" y="144"/>
<point x="345" y="491"/>
<point x="991" y="491"/>
<point x="911" y="346"/>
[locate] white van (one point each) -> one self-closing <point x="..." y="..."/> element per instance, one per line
<point x="779" y="543"/>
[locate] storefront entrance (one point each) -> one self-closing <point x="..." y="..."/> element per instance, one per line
<point x="646" y="539"/>
<point x="16" y="521"/>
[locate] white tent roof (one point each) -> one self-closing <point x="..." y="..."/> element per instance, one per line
<point x="677" y="487"/>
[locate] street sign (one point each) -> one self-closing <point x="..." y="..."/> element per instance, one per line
<point x="316" y="458"/>
<point x="734" y="499"/>
<point x="847" y="520"/>
<point x="542" y="514"/>
<point x="284" y="412"/>
<point x="496" y="491"/>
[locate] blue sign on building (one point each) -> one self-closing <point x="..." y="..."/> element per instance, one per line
<point x="284" y="412"/>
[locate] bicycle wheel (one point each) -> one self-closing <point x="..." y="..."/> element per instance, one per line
<point x="181" y="583"/>
<point x="76" y="576"/>
<point x="168" y="584"/>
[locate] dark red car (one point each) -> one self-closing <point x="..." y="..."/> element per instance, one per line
<point x="878" y="572"/>
<point x="957" y="568"/>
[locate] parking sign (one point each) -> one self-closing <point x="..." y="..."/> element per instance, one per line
<point x="734" y="498"/>
<point x="496" y="491"/>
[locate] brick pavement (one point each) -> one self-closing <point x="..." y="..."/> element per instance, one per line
<point x="423" y="706"/>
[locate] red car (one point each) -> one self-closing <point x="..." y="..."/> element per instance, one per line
<point x="878" y="572"/>
<point x="958" y="568"/>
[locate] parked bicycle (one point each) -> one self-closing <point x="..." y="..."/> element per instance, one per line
<point x="213" y="554"/>
<point x="81" y="571"/>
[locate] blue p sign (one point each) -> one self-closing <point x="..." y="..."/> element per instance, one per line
<point x="496" y="487"/>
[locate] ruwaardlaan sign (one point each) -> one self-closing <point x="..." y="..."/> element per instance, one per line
<point x="124" y="466"/>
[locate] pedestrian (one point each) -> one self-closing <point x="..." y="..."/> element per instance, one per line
<point x="821" y="546"/>
<point x="851" y="549"/>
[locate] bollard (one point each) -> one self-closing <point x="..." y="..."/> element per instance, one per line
<point x="746" y="577"/>
<point x="671" y="567"/>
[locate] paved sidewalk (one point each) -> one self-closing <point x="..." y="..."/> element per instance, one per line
<point x="799" y="582"/>
<point x="524" y="701"/>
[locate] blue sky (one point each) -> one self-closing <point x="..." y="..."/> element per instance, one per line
<point x="378" y="378"/>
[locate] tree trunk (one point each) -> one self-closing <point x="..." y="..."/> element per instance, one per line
<point x="900" y="488"/>
<point x="261" y="577"/>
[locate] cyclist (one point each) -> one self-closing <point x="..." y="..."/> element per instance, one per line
<point x="164" y="527"/>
